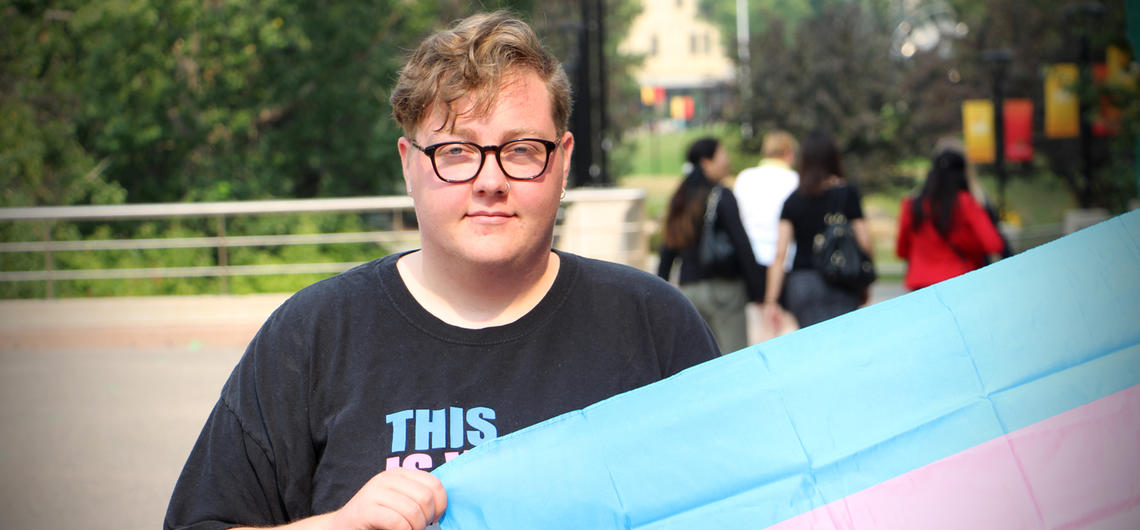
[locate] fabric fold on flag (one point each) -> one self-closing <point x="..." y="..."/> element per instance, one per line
<point x="975" y="402"/>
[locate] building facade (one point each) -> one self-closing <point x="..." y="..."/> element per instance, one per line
<point x="686" y="72"/>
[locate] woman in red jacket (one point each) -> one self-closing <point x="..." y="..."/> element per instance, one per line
<point x="950" y="234"/>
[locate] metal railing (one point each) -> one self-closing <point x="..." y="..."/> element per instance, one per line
<point x="604" y="223"/>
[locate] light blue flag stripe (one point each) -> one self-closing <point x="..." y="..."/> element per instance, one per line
<point x="775" y="430"/>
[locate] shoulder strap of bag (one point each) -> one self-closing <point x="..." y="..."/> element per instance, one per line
<point x="946" y="237"/>
<point x="838" y="200"/>
<point x="710" y="206"/>
<point x="958" y="251"/>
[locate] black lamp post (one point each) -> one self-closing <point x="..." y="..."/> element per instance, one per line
<point x="589" y="121"/>
<point x="999" y="61"/>
<point x="1083" y="16"/>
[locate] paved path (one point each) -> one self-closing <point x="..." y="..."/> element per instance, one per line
<point x="102" y="399"/>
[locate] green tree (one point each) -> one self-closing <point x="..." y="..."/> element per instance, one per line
<point x="191" y="100"/>
<point x="825" y="65"/>
<point x="222" y="100"/>
<point x="42" y="160"/>
<point x="838" y="65"/>
<point x="1038" y="34"/>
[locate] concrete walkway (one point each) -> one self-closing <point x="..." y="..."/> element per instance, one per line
<point x="102" y="399"/>
<point x="131" y="322"/>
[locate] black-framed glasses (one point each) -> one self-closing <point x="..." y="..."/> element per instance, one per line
<point x="456" y="162"/>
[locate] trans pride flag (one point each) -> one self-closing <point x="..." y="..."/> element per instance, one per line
<point x="1005" y="398"/>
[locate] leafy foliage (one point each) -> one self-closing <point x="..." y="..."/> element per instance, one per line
<point x="113" y="101"/>
<point x="42" y="160"/>
<point x="225" y="100"/>
<point x="829" y="64"/>
<point x="191" y="100"/>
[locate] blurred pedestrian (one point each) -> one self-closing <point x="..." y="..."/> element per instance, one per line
<point x="719" y="273"/>
<point x="954" y="144"/>
<point x="761" y="191"/>
<point x="943" y="231"/>
<point x="823" y="190"/>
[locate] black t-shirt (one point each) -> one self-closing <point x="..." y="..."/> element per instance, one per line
<point x="351" y="376"/>
<point x="806" y="214"/>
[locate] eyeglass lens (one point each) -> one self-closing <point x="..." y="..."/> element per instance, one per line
<point x="519" y="159"/>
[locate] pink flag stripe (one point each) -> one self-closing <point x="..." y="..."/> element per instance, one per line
<point x="1078" y="469"/>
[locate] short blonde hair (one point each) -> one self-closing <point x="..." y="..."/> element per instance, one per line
<point x="779" y="143"/>
<point x="473" y="57"/>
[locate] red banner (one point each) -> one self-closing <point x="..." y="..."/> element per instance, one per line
<point x="1018" y="117"/>
<point x="1106" y="122"/>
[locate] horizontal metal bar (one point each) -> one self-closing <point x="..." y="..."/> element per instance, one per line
<point x="581" y="234"/>
<point x="210" y="242"/>
<point x="604" y="194"/>
<point x="255" y="241"/>
<point x="177" y="272"/>
<point x="205" y="209"/>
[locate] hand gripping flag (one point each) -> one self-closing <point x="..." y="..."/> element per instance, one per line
<point x="1005" y="398"/>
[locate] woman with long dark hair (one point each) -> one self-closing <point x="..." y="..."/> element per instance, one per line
<point x="823" y="190"/>
<point x="720" y="284"/>
<point x="943" y="231"/>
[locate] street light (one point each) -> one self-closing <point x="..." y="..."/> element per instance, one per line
<point x="744" y="57"/>
<point x="1083" y="17"/>
<point x="999" y="62"/>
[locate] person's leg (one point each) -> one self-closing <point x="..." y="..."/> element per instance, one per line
<point x="804" y="293"/>
<point x="699" y="293"/>
<point x="721" y="305"/>
<point x="837" y="301"/>
<point x="812" y="300"/>
<point x="729" y="321"/>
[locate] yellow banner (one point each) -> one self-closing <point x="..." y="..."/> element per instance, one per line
<point x="677" y="107"/>
<point x="978" y="130"/>
<point x="1062" y="110"/>
<point x="1116" y="60"/>
<point x="648" y="96"/>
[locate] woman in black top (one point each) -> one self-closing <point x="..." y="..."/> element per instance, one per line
<point x="823" y="189"/>
<point x="720" y="289"/>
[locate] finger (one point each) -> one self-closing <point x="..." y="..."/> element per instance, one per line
<point x="370" y="509"/>
<point x="411" y="497"/>
<point x="423" y="487"/>
<point x="435" y="487"/>
<point x="388" y="518"/>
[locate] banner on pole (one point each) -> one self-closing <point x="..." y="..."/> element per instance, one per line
<point x="1018" y="121"/>
<point x="978" y="129"/>
<point x="1062" y="109"/>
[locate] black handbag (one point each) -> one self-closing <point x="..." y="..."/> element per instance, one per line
<point x="715" y="250"/>
<point x="836" y="253"/>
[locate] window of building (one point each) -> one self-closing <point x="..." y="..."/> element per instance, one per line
<point x="693" y="43"/>
<point x="652" y="45"/>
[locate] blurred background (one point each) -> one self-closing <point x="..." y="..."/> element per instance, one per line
<point x="183" y="102"/>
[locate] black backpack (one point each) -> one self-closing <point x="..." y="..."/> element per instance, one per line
<point x="835" y="252"/>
